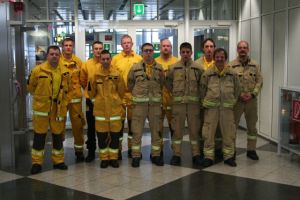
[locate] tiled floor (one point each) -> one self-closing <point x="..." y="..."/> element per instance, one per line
<point x="272" y="177"/>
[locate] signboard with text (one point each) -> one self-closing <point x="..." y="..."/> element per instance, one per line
<point x="296" y="110"/>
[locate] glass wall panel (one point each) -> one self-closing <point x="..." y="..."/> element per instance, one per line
<point x="154" y="36"/>
<point x="220" y="36"/>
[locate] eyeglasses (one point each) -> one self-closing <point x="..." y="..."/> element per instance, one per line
<point x="148" y="50"/>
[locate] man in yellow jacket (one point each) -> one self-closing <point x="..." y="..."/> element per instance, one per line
<point x="123" y="62"/>
<point x="49" y="84"/>
<point x="166" y="59"/>
<point x="88" y="70"/>
<point x="220" y="92"/>
<point x="73" y="64"/>
<point x="107" y="88"/>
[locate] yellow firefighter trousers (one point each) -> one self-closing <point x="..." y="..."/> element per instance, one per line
<point x="78" y="122"/>
<point x="250" y="110"/>
<point x="180" y="112"/>
<point x="224" y="117"/>
<point x="40" y="127"/>
<point x="139" y="114"/>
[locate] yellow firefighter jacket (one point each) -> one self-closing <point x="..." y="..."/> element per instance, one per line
<point x="249" y="75"/>
<point x="87" y="73"/>
<point x="183" y="80"/>
<point x="166" y="94"/>
<point x="74" y="66"/>
<point x="146" y="88"/>
<point x="123" y="63"/>
<point x="40" y="85"/>
<point x="107" y="88"/>
<point x="219" y="89"/>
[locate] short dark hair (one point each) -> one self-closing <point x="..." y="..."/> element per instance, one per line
<point x="105" y="52"/>
<point x="207" y="39"/>
<point x="55" y="47"/>
<point x="220" y="50"/>
<point x="146" y="44"/>
<point x="67" y="39"/>
<point x="97" y="42"/>
<point x="185" y="45"/>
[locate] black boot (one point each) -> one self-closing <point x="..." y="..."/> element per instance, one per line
<point x="79" y="156"/>
<point x="231" y="162"/>
<point x="208" y="162"/>
<point x="90" y="157"/>
<point x="35" y="169"/>
<point x="104" y="163"/>
<point x="197" y="160"/>
<point x="114" y="163"/>
<point x="252" y="155"/>
<point x="175" y="160"/>
<point x="157" y="160"/>
<point x="61" y="166"/>
<point x="135" y="162"/>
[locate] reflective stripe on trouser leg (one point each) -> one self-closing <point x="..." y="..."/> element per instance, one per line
<point x="154" y="116"/>
<point x="193" y="116"/>
<point x="37" y="152"/>
<point x="211" y="120"/>
<point x="178" y="123"/>
<point x="139" y="114"/>
<point x="113" y="153"/>
<point x="114" y="146"/>
<point x="78" y="122"/>
<point x="228" y="129"/>
<point x="104" y="153"/>
<point x="251" y="120"/>
<point x="57" y="149"/>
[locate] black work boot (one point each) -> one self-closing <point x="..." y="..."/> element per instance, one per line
<point x="114" y="163"/>
<point x="231" y="162"/>
<point x="208" y="162"/>
<point x="90" y="157"/>
<point x="218" y="155"/>
<point x="104" y="163"/>
<point x="252" y="155"/>
<point x="79" y="156"/>
<point x="35" y="169"/>
<point x="120" y="155"/>
<point x="197" y="160"/>
<point x="175" y="160"/>
<point x="61" y="166"/>
<point x="135" y="162"/>
<point x="157" y="160"/>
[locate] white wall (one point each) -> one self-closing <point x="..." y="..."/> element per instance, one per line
<point x="272" y="28"/>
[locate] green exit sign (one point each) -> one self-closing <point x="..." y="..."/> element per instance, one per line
<point x="139" y="9"/>
<point x="107" y="46"/>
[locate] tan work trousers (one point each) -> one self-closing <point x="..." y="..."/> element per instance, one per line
<point x="180" y="112"/>
<point x="250" y="110"/>
<point x="224" y="117"/>
<point x="139" y="114"/>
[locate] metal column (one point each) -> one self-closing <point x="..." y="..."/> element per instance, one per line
<point x="7" y="155"/>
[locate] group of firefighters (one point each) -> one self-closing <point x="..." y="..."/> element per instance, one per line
<point x="209" y="93"/>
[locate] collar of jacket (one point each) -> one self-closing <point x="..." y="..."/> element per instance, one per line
<point x="188" y="63"/>
<point x="246" y="63"/>
<point x="125" y="55"/>
<point x="153" y="64"/>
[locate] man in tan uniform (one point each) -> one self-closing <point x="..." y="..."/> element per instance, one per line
<point x="145" y="81"/>
<point x="251" y="82"/>
<point x="183" y="81"/>
<point x="166" y="59"/>
<point x="87" y="73"/>
<point x="123" y="62"/>
<point x="206" y="62"/>
<point x="220" y="92"/>
<point x="73" y="63"/>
